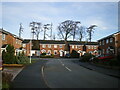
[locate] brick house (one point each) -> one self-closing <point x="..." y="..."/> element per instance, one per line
<point x="56" y="47"/>
<point x="9" y="38"/>
<point x="110" y="44"/>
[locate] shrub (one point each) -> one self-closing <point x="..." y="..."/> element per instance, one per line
<point x="22" y="59"/>
<point x="8" y="56"/>
<point x="86" y="57"/>
<point x="43" y="54"/>
<point x="74" y="54"/>
<point x="47" y="56"/>
<point x="95" y="60"/>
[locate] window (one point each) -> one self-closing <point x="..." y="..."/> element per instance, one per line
<point x="16" y="41"/>
<point x="49" y="46"/>
<point x="3" y="36"/>
<point x="43" y="51"/>
<point x="88" y="47"/>
<point x="72" y="46"/>
<point x="103" y="51"/>
<point x="55" y="52"/>
<point x="24" y="45"/>
<point x="103" y="42"/>
<point x="100" y="43"/>
<point x="111" y="39"/>
<point x="91" y="47"/>
<point x="95" y="47"/>
<point x="55" y="46"/>
<point x="78" y="47"/>
<point x="44" y="46"/>
<point x="107" y="40"/>
<point x="60" y="46"/>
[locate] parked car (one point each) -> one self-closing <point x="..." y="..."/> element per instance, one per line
<point x="105" y="57"/>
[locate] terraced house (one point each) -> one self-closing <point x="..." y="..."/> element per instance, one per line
<point x="9" y="38"/>
<point x="37" y="47"/>
<point x="110" y="44"/>
<point x="57" y="47"/>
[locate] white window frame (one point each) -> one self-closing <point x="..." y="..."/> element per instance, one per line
<point x="103" y="42"/>
<point x="24" y="45"/>
<point x="72" y="46"/>
<point x="100" y="43"/>
<point x="43" y="51"/>
<point x="111" y="40"/>
<point x="95" y="47"/>
<point x="55" y="46"/>
<point x="107" y="41"/>
<point x="76" y="46"/>
<point x="43" y="46"/>
<point x="89" y="47"/>
<point x="49" y="46"/>
<point x="3" y="36"/>
<point x="60" y="46"/>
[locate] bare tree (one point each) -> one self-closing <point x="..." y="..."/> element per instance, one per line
<point x="80" y="32"/>
<point x="35" y="29"/>
<point x="74" y="31"/>
<point x="20" y="30"/>
<point x="47" y="27"/>
<point x="67" y="29"/>
<point x="90" y="31"/>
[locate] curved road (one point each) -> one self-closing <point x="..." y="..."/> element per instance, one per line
<point x="62" y="73"/>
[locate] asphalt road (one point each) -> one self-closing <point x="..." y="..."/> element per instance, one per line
<point x="63" y="73"/>
<point x="31" y="76"/>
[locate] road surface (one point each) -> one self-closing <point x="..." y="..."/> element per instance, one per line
<point x="63" y="73"/>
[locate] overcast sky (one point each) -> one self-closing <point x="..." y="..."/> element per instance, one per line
<point x="102" y="14"/>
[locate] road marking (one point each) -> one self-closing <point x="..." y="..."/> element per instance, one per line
<point x="42" y="69"/>
<point x="68" y="68"/>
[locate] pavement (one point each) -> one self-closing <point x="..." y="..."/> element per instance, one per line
<point x="107" y="71"/>
<point x="13" y="70"/>
<point x="31" y="76"/>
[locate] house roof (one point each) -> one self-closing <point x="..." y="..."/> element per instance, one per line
<point x="108" y="36"/>
<point x="6" y="32"/>
<point x="61" y="42"/>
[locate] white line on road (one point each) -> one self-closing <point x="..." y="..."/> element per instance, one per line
<point x="68" y="68"/>
<point x="42" y="69"/>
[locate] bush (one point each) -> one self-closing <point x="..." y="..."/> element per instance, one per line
<point x="22" y="59"/>
<point x="8" y="57"/>
<point x="74" y="54"/>
<point x="86" y="57"/>
<point x="95" y="60"/>
<point x="43" y="54"/>
<point x="47" y="56"/>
